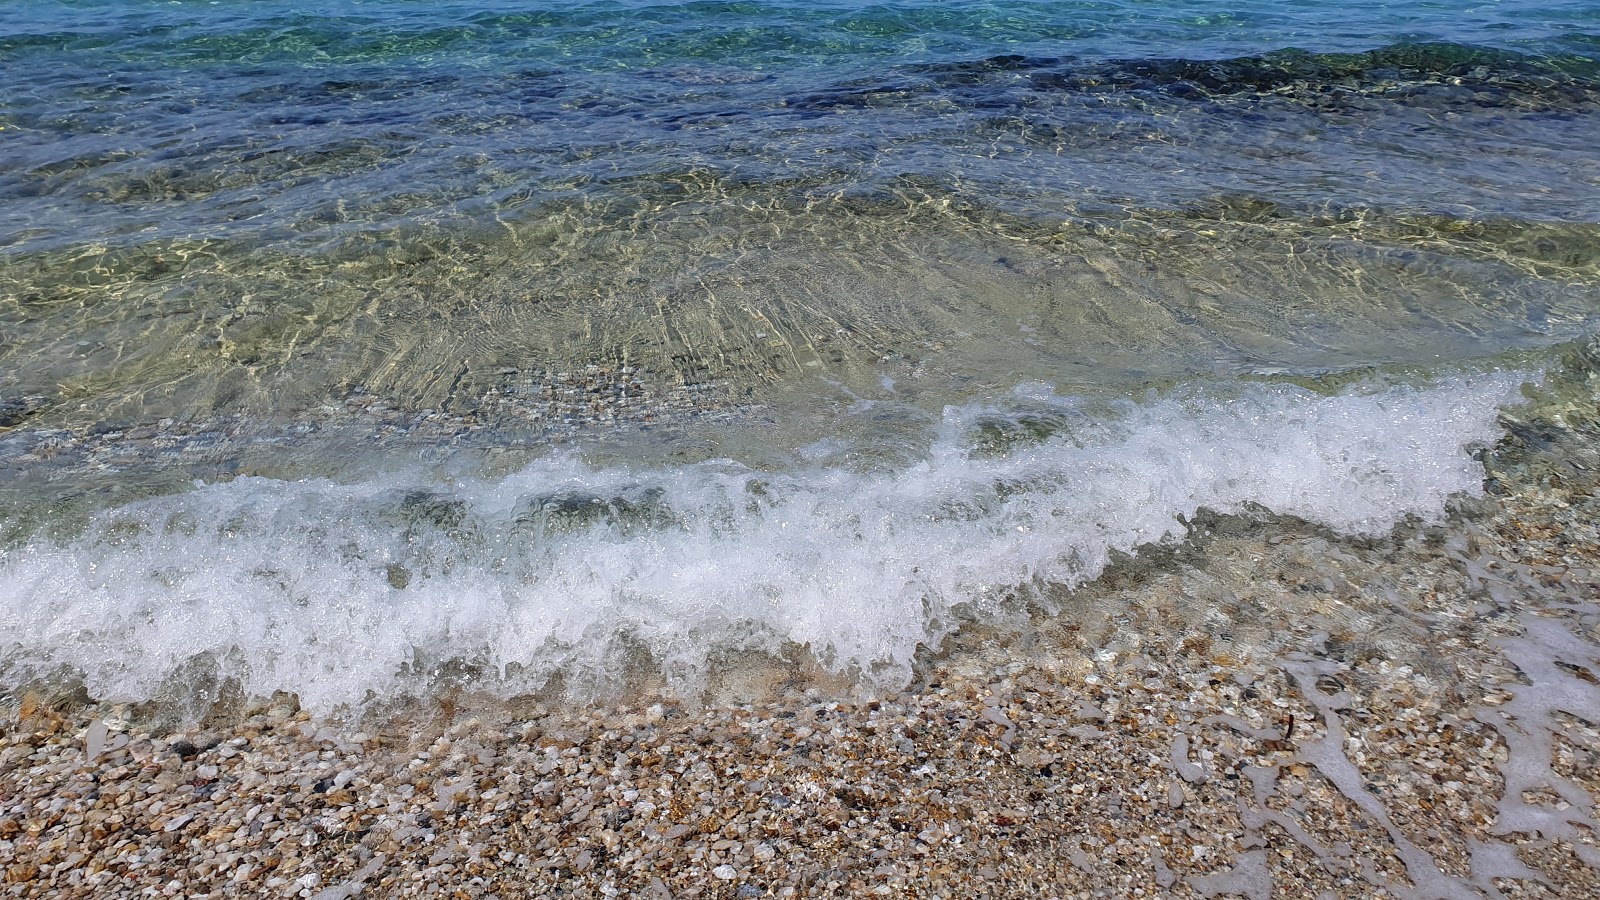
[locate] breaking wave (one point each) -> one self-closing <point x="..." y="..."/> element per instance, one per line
<point x="346" y="592"/>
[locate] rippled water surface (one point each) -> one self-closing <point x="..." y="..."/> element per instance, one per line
<point x="272" y="271"/>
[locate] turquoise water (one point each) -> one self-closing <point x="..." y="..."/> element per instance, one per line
<point x="132" y="121"/>
<point x="340" y="341"/>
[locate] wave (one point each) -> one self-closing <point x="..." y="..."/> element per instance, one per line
<point x="350" y="592"/>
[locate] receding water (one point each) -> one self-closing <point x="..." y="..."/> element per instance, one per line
<point x="339" y="340"/>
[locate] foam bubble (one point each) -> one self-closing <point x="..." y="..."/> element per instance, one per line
<point x="345" y="591"/>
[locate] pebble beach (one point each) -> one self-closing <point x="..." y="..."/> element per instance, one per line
<point x="1416" y="720"/>
<point x="803" y="448"/>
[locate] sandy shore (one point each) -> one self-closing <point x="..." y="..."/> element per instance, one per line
<point x="1268" y="711"/>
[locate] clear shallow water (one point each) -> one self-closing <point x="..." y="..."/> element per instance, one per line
<point x="273" y="273"/>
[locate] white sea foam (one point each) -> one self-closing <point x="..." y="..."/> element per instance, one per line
<point x="337" y="590"/>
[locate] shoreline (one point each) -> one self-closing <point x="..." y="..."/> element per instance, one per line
<point x="1343" y="726"/>
<point x="800" y="450"/>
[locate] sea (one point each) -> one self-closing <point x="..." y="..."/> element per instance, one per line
<point x="356" y="348"/>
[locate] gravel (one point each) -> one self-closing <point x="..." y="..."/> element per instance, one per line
<point x="1346" y="724"/>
